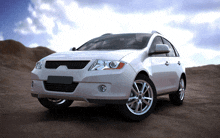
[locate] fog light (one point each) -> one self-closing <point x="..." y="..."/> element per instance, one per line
<point x="102" y="88"/>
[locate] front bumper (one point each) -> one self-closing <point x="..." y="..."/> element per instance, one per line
<point x="118" y="83"/>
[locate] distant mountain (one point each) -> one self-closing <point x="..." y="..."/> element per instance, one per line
<point x="15" y="55"/>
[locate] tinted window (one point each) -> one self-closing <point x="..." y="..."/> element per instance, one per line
<point x="177" y="54"/>
<point x="117" y="42"/>
<point x="157" y="40"/>
<point x="172" y="52"/>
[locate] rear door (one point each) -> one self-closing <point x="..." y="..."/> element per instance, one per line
<point x="160" y="68"/>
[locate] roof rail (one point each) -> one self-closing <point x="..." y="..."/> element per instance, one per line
<point x="106" y="34"/>
<point x="155" y="32"/>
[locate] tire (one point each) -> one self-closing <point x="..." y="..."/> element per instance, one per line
<point x="142" y="99"/>
<point x="178" y="97"/>
<point x="53" y="103"/>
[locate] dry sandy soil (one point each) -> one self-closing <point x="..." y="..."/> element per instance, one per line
<point x="23" y="116"/>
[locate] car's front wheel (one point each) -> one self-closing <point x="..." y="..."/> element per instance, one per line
<point x="53" y="103"/>
<point x="142" y="99"/>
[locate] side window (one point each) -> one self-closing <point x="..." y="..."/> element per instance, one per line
<point x="177" y="54"/>
<point x="172" y="52"/>
<point x="157" y="40"/>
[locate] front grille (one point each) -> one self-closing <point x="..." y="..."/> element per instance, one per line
<point x="69" y="64"/>
<point x="60" y="87"/>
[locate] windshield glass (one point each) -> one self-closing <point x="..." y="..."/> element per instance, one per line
<point x="117" y="42"/>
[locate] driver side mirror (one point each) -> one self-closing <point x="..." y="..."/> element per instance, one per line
<point x="73" y="49"/>
<point x="160" y="49"/>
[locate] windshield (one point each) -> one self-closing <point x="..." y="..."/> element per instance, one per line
<point x="117" y="42"/>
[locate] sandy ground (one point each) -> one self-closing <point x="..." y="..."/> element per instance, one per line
<point x="23" y="116"/>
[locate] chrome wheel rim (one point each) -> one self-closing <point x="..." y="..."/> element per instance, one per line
<point x="57" y="101"/>
<point x="182" y="89"/>
<point x="141" y="98"/>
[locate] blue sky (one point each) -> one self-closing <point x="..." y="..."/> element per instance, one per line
<point x="192" y="26"/>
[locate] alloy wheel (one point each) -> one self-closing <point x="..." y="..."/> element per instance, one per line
<point x="57" y="101"/>
<point x="182" y="89"/>
<point x="141" y="98"/>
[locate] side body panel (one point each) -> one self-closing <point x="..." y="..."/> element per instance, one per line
<point x="176" y="71"/>
<point x="161" y="74"/>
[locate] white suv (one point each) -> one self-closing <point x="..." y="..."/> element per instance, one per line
<point x="130" y="70"/>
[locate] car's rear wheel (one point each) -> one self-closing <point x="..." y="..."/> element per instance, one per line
<point x="142" y="99"/>
<point x="53" y="103"/>
<point x="178" y="97"/>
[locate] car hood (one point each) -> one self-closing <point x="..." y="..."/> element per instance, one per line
<point x="90" y="55"/>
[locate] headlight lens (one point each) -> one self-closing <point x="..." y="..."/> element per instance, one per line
<point x="106" y="65"/>
<point x="39" y="64"/>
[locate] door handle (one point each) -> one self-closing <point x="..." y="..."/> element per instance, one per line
<point x="167" y="63"/>
<point x="179" y="63"/>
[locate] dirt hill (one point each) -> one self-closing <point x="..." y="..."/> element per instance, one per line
<point x="15" y="55"/>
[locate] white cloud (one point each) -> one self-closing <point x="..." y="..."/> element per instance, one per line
<point x="45" y="7"/>
<point x="208" y="53"/>
<point x="91" y="22"/>
<point x="29" y="20"/>
<point x="193" y="56"/>
<point x="205" y="17"/>
<point x="33" y="45"/>
<point x="1" y="36"/>
<point x="30" y="26"/>
<point x="44" y="14"/>
<point x="32" y="11"/>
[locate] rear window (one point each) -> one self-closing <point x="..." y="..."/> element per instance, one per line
<point x="117" y="42"/>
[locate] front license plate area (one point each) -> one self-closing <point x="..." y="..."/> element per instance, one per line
<point x="60" y="79"/>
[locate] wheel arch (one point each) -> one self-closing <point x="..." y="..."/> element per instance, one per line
<point x="143" y="72"/>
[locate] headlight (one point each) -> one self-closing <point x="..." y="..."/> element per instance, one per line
<point x="106" y="65"/>
<point x="39" y="64"/>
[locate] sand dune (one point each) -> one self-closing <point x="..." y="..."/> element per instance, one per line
<point x="23" y="116"/>
<point x="16" y="56"/>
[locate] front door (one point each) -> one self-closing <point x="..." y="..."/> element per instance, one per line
<point x="160" y="69"/>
